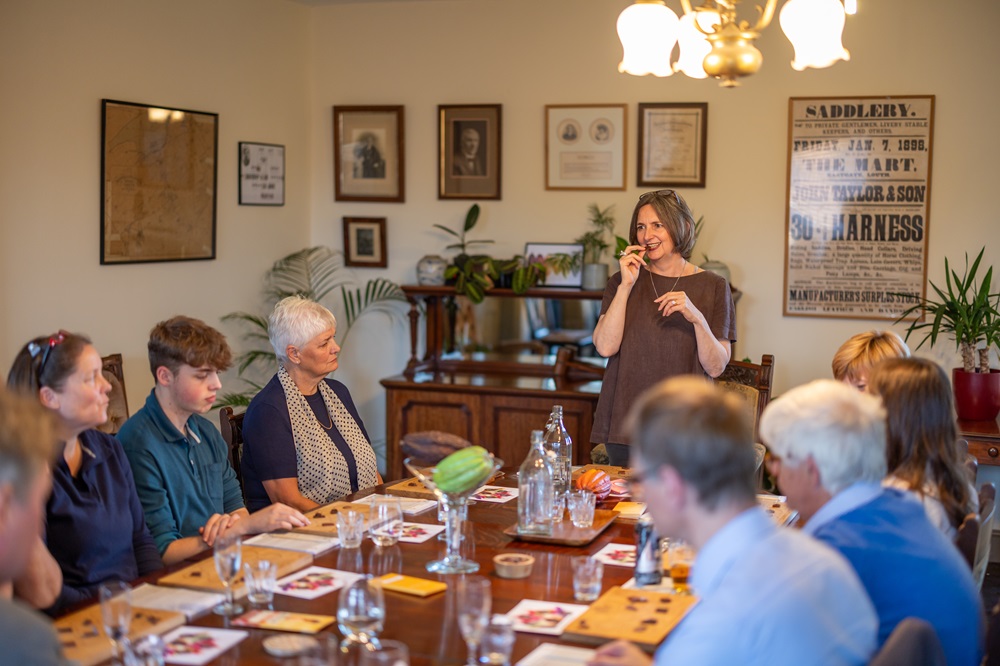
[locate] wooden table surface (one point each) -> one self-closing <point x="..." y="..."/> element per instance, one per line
<point x="429" y="626"/>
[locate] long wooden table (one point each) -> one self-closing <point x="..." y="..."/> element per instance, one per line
<point x="429" y="625"/>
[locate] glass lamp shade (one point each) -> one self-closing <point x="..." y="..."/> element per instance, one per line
<point x="814" y="27"/>
<point x="693" y="45"/>
<point x="648" y="32"/>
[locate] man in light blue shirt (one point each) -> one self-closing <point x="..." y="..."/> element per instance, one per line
<point x="769" y="596"/>
<point x="828" y="445"/>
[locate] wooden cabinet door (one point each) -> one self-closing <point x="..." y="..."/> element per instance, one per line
<point x="415" y="410"/>
<point x="507" y="422"/>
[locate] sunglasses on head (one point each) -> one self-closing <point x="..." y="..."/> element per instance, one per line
<point x="44" y="350"/>
<point x="663" y="193"/>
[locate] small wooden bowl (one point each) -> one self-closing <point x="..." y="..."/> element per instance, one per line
<point x="513" y="565"/>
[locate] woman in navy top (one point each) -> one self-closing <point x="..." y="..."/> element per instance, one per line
<point x="95" y="527"/>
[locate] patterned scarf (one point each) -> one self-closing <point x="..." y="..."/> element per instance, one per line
<point x="323" y="473"/>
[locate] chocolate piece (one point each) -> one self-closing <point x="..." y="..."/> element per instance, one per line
<point x="649" y="620"/>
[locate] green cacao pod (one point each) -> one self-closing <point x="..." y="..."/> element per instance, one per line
<point x="463" y="470"/>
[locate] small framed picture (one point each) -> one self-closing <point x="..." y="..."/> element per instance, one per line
<point x="563" y="263"/>
<point x="364" y="242"/>
<point x="262" y="174"/>
<point x="672" y="139"/>
<point x="585" y="146"/>
<point x="469" y="151"/>
<point x="368" y="162"/>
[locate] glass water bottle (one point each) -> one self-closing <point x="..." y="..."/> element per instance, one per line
<point x="559" y="447"/>
<point x="535" y="490"/>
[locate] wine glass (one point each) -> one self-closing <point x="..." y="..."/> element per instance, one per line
<point x="474" y="602"/>
<point x="228" y="556"/>
<point x="360" y="614"/>
<point x="116" y="613"/>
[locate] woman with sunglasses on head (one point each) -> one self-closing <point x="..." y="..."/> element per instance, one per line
<point x="661" y="316"/>
<point x="95" y="527"/>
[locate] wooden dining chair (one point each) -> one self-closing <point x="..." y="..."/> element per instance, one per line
<point x="913" y="642"/>
<point x="967" y="539"/>
<point x="752" y="382"/>
<point x="987" y="510"/>
<point x="113" y="371"/>
<point x="231" y="426"/>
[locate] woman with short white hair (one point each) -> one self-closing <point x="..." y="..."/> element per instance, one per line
<point x="304" y="443"/>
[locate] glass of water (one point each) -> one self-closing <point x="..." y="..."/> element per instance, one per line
<point x="475" y="599"/>
<point x="385" y="521"/>
<point x="116" y="614"/>
<point x="260" y="578"/>
<point x="228" y="556"/>
<point x="498" y="642"/>
<point x="360" y="614"/>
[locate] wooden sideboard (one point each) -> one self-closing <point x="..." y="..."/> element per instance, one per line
<point x="983" y="438"/>
<point x="494" y="410"/>
<point x="493" y="400"/>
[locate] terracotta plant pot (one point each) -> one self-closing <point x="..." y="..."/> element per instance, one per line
<point x="977" y="395"/>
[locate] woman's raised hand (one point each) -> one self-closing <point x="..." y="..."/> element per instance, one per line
<point x="630" y="261"/>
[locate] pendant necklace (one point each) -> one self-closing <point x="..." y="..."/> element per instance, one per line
<point x="674" y="286"/>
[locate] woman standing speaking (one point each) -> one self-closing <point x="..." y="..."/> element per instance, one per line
<point x="661" y="316"/>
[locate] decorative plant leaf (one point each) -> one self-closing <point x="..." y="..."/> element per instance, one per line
<point x="471" y="217"/>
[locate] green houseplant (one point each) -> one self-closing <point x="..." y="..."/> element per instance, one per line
<point x="967" y="311"/>
<point x="317" y="273"/>
<point x="471" y="274"/>
<point x="595" y="243"/>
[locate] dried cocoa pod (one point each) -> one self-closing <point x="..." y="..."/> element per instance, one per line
<point x="431" y="446"/>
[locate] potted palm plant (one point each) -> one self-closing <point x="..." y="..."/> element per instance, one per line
<point x="970" y="313"/>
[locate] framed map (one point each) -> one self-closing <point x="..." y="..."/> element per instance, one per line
<point x="158" y="183"/>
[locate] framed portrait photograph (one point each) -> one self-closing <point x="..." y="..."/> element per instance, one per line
<point x="585" y="146"/>
<point x="368" y="156"/>
<point x="262" y="174"/>
<point x="364" y="242"/>
<point x="158" y="183"/>
<point x="563" y="262"/>
<point x="469" y="151"/>
<point x="672" y="139"/>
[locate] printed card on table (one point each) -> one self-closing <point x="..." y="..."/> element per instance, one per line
<point x="302" y="623"/>
<point x="313" y="582"/>
<point x="410" y="505"/>
<point x="496" y="494"/>
<point x="419" y="532"/>
<point x="544" y="617"/>
<point x="554" y="654"/>
<point x="617" y="554"/>
<point x="194" y="646"/>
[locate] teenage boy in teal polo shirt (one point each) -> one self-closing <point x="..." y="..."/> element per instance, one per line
<point x="180" y="462"/>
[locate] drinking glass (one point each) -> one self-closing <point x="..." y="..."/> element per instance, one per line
<point x="350" y="528"/>
<point x="498" y="642"/>
<point x="228" y="556"/>
<point x="360" y="613"/>
<point x="260" y="579"/>
<point x="116" y="613"/>
<point x="392" y="653"/>
<point x="149" y="651"/>
<point x="681" y="557"/>
<point x="581" y="507"/>
<point x="474" y="603"/>
<point x="587" y="575"/>
<point x="385" y="521"/>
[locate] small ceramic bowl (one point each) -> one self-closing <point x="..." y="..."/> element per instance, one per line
<point x="513" y="565"/>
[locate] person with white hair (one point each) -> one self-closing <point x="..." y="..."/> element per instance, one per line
<point x="304" y="443"/>
<point x="828" y="454"/>
<point x="768" y="596"/>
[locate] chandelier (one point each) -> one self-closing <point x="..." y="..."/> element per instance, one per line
<point x="714" y="42"/>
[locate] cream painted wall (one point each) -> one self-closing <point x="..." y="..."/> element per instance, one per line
<point x="247" y="60"/>
<point x="273" y="69"/>
<point x="528" y="53"/>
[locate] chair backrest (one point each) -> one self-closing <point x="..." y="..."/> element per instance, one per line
<point x="968" y="537"/>
<point x="114" y="373"/>
<point x="231" y="426"/>
<point x="752" y="382"/>
<point x="993" y="637"/>
<point x="913" y="642"/>
<point x="987" y="509"/>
